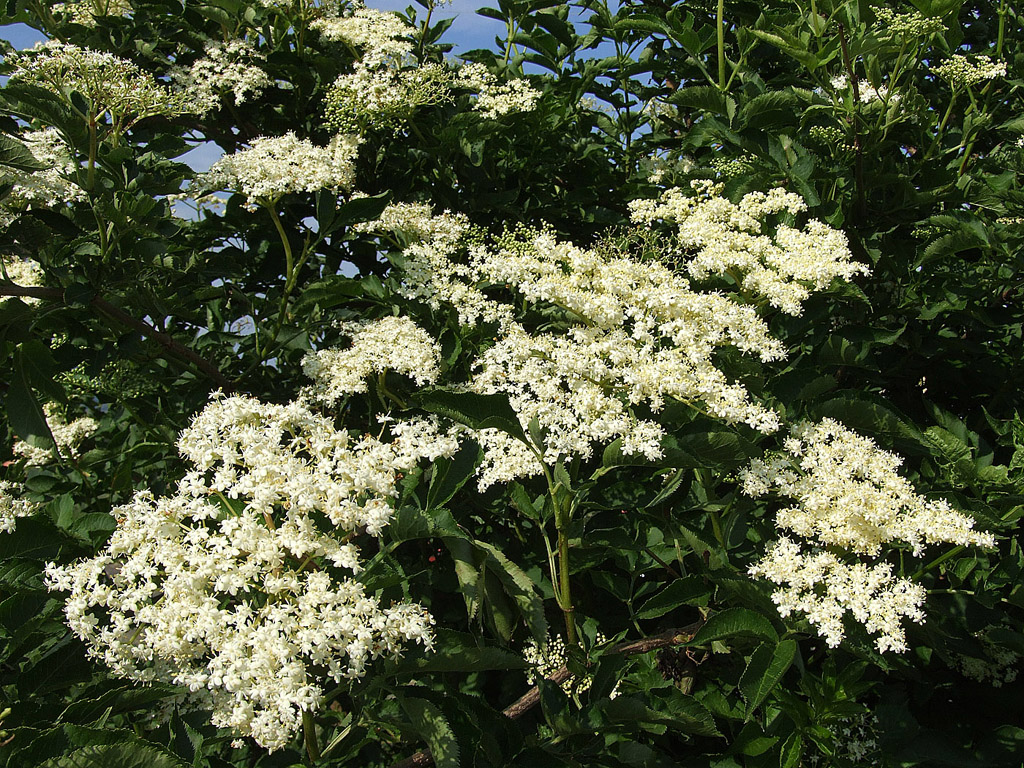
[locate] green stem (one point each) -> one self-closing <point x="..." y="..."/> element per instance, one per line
<point x="91" y="179"/>
<point x="721" y="44"/>
<point x="716" y="524"/>
<point x="290" y="276"/>
<point x="383" y="387"/>
<point x="942" y="126"/>
<point x="568" y="610"/>
<point x="423" y="32"/>
<point x="309" y="736"/>
<point x="938" y="561"/>
<point x="1002" y="28"/>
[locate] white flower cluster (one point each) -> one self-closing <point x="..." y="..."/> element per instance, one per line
<point x="385" y="86"/>
<point x="641" y="335"/>
<point x="235" y="587"/>
<point x="997" y="668"/>
<point x="910" y="24"/>
<point x="849" y="494"/>
<point x="382" y="98"/>
<point x="850" y="497"/>
<point x="825" y="588"/>
<point x="281" y="165"/>
<point x="856" y="738"/>
<point x="383" y="37"/>
<point x="12" y="507"/>
<point x="867" y="92"/>
<point x="66" y="435"/>
<point x="85" y="12"/>
<point x="113" y="86"/>
<point x="50" y="186"/>
<point x="24" y="272"/>
<point x="418" y="222"/>
<point x="548" y="658"/>
<point x="724" y="237"/>
<point x="495" y="99"/>
<point x="961" y="72"/>
<point x="388" y="344"/>
<point x="228" y="67"/>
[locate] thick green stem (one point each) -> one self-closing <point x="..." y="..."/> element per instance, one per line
<point x="309" y="736"/>
<point x="721" y="44"/>
<point x="568" y="610"/>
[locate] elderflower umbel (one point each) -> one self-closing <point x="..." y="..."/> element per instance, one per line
<point x="825" y="588"/>
<point x="867" y="92"/>
<point x="849" y="494"/>
<point x="112" y="86"/>
<point x="910" y="24"/>
<point x="383" y="37"/>
<point x="545" y="660"/>
<point x="12" y="507"/>
<point x="234" y="587"/>
<point x="85" y="12"/>
<point x="388" y="344"/>
<point x="66" y="435"/>
<point x="783" y="265"/>
<point x="227" y="67"/>
<point x="995" y="667"/>
<point x="281" y="165"/>
<point x="385" y="97"/>
<point x="961" y="72"/>
<point x="849" y="497"/>
<point x="496" y="99"/>
<point x="417" y="222"/>
<point x="640" y="335"/>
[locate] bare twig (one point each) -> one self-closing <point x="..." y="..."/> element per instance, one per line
<point x="531" y="698"/>
<point x="167" y="341"/>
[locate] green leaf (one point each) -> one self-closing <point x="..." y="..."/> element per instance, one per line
<point x="24" y="412"/>
<point x="133" y="754"/>
<point x="432" y="726"/>
<point x="732" y="622"/>
<point x="792" y="752"/>
<point x="520" y="587"/>
<point x="449" y="475"/>
<point x="460" y="652"/>
<point x="705" y="98"/>
<point x="684" y="591"/>
<point x="474" y="410"/>
<point x="360" y="209"/>
<point x="16" y="155"/>
<point x="768" y="663"/>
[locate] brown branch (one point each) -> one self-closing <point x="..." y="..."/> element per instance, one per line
<point x="167" y="341"/>
<point x="531" y="698"/>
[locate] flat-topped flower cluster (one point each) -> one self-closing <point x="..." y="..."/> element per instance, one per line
<point x="779" y="262"/>
<point x="639" y="335"/>
<point x="274" y="166"/>
<point x="850" y="498"/>
<point x="233" y="67"/>
<point x="111" y="85"/>
<point x="239" y="586"/>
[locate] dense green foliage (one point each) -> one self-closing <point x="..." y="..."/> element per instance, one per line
<point x="144" y="314"/>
